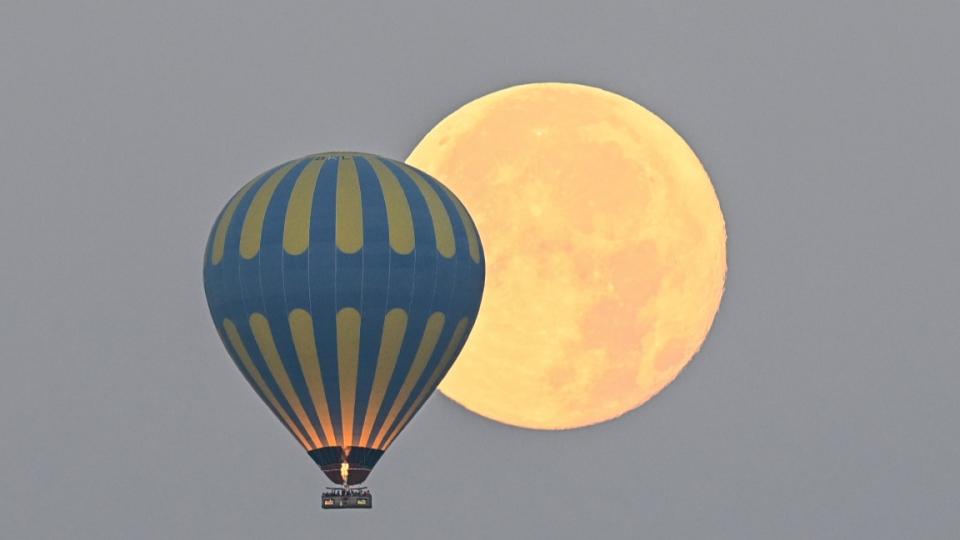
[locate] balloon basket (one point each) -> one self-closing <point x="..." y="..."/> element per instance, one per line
<point x="341" y="498"/>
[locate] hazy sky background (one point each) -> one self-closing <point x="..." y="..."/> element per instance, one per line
<point x="824" y="404"/>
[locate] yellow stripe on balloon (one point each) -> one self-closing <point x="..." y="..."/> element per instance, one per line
<point x="268" y="349"/>
<point x="220" y="237"/>
<point x="427" y="343"/>
<point x="459" y="334"/>
<point x="399" y="220"/>
<point x="233" y="336"/>
<point x="349" y="230"/>
<point x="296" y="225"/>
<point x="252" y="231"/>
<point x="394" y="328"/>
<point x="473" y="239"/>
<point x="348" y="362"/>
<point x="442" y="228"/>
<point x="304" y="341"/>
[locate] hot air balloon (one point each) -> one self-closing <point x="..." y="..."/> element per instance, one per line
<point x="343" y="286"/>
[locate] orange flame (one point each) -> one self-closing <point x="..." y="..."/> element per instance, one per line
<point x="345" y="471"/>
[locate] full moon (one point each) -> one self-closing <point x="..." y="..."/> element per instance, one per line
<point x="605" y="250"/>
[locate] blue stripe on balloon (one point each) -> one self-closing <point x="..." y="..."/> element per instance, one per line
<point x="320" y="257"/>
<point x="375" y="285"/>
<point x="273" y="286"/>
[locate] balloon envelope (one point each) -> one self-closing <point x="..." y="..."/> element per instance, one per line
<point x="344" y="285"/>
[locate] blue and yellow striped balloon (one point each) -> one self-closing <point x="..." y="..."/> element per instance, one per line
<point x="343" y="286"/>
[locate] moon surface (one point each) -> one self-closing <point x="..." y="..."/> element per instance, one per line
<point x="605" y="248"/>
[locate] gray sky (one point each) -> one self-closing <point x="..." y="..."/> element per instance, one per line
<point x="823" y="404"/>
